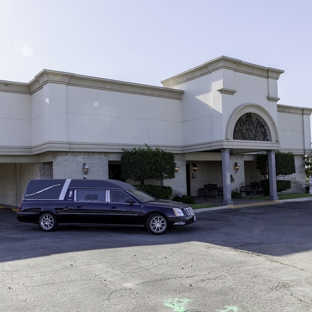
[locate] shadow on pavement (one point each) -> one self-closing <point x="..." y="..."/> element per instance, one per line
<point x="276" y="230"/>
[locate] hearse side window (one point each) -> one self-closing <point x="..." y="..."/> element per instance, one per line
<point x="117" y="196"/>
<point x="90" y="195"/>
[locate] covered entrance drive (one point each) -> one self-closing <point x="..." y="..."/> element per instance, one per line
<point x="250" y="130"/>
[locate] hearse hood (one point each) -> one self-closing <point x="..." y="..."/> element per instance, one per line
<point x="167" y="203"/>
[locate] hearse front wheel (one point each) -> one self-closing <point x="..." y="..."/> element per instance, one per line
<point x="47" y="221"/>
<point x="157" y="224"/>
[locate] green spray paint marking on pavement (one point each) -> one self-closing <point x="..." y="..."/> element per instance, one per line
<point x="229" y="309"/>
<point x="177" y="304"/>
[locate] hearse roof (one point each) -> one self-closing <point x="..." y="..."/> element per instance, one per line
<point x="56" y="188"/>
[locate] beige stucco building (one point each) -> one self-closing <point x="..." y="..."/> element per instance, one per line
<point x="215" y="115"/>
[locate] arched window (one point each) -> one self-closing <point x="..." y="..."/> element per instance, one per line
<point x="251" y="127"/>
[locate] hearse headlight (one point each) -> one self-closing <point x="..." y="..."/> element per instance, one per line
<point x="178" y="212"/>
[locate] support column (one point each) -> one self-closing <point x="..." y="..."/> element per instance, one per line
<point x="226" y="177"/>
<point x="272" y="175"/>
<point x="19" y="194"/>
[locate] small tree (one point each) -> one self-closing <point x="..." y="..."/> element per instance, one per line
<point x="139" y="164"/>
<point x="308" y="165"/>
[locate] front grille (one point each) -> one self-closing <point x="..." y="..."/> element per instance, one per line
<point x="189" y="211"/>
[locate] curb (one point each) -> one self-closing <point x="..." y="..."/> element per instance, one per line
<point x="255" y="204"/>
<point x="15" y="209"/>
<point x="273" y="202"/>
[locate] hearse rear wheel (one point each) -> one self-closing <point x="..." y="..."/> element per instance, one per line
<point x="157" y="224"/>
<point x="47" y="221"/>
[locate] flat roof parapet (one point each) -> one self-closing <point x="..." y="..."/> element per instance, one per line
<point x="220" y="63"/>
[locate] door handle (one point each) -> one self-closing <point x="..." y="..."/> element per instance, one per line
<point x="113" y="207"/>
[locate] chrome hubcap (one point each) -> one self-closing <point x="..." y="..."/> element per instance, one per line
<point x="47" y="222"/>
<point x="158" y="224"/>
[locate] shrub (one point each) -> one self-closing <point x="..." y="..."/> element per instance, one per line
<point x="157" y="191"/>
<point x="235" y="194"/>
<point x="281" y="185"/>
<point x="184" y="199"/>
<point x="284" y="163"/>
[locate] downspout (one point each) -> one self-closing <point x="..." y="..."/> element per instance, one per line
<point x="303" y="132"/>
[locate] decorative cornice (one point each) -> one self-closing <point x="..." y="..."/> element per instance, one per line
<point x="92" y="147"/>
<point x="15" y="150"/>
<point x="273" y="98"/>
<point x="294" y="110"/>
<point x="14" y="87"/>
<point x="30" y="154"/>
<point x="73" y="80"/>
<point x="223" y="62"/>
<point x="227" y="91"/>
<point x="56" y="77"/>
<point x="237" y="145"/>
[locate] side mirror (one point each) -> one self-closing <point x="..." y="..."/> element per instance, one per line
<point x="130" y="201"/>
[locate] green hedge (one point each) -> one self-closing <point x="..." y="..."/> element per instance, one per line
<point x="281" y="185"/>
<point x="157" y="191"/>
<point x="184" y="199"/>
<point x="235" y="194"/>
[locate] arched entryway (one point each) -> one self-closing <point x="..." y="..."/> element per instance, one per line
<point x="250" y="128"/>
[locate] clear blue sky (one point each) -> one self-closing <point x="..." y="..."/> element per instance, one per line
<point x="146" y="41"/>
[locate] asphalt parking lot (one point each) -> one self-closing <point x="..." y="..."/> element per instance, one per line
<point x="247" y="259"/>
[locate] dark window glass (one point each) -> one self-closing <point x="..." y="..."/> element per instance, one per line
<point x="90" y="195"/>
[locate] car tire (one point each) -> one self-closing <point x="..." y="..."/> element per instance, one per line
<point x="47" y="221"/>
<point x="157" y="224"/>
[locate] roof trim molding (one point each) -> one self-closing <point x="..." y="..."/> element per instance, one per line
<point x="73" y="80"/>
<point x="294" y="110"/>
<point x="223" y="62"/>
<point x="14" y="87"/>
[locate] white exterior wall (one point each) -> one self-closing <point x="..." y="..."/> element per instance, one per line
<point x="249" y="90"/>
<point x="121" y="118"/>
<point x="294" y="130"/>
<point x="197" y="111"/>
<point x="37" y="104"/>
<point x="15" y="119"/>
<point x="49" y="118"/>
<point x="290" y="131"/>
<point x="55" y="112"/>
<point x="206" y="112"/>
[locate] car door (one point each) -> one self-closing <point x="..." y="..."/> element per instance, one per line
<point x="123" y="209"/>
<point x="90" y="206"/>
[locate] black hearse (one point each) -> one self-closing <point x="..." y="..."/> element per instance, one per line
<point x="49" y="202"/>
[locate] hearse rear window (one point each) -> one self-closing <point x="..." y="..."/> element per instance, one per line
<point x="90" y="195"/>
<point x="44" y="189"/>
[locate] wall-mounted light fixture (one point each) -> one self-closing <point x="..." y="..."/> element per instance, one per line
<point x="194" y="167"/>
<point x="85" y="169"/>
<point x="176" y="168"/>
<point x="236" y="166"/>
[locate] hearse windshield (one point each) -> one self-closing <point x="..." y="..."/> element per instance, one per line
<point x="141" y="195"/>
